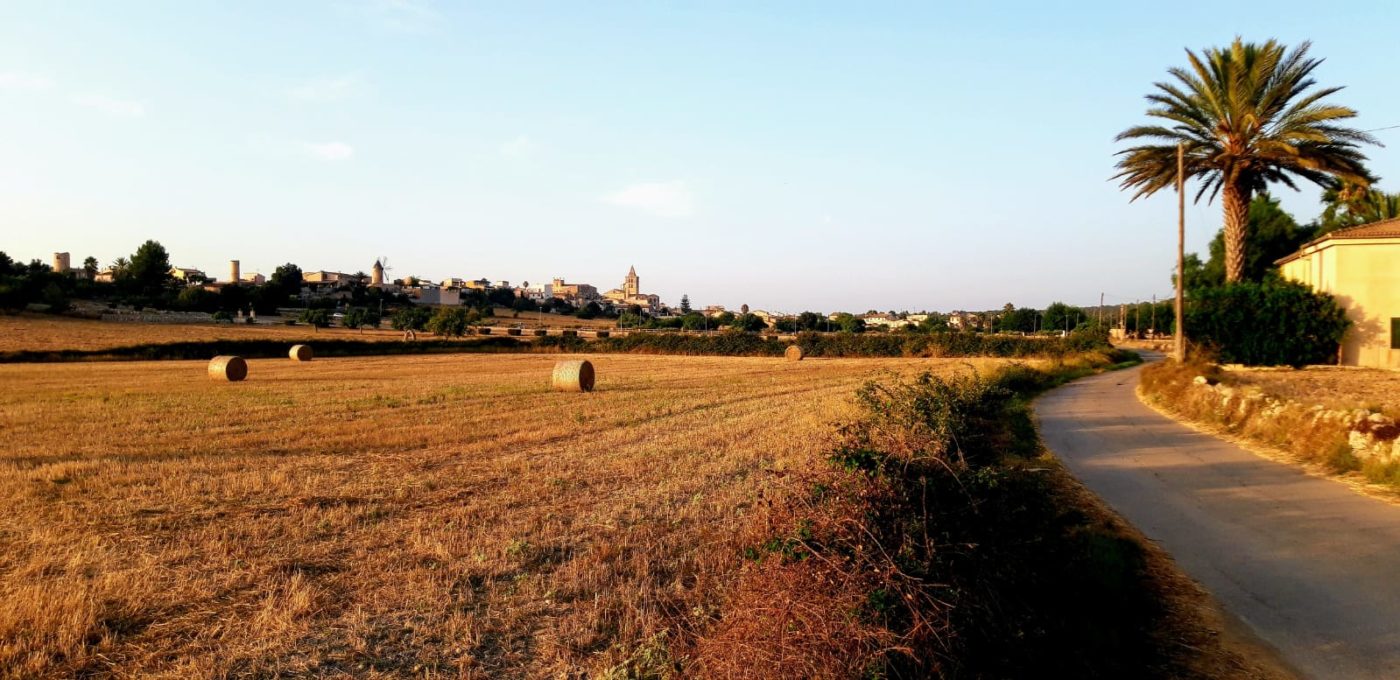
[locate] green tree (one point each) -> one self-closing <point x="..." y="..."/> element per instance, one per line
<point x="1248" y="116"/>
<point x="317" y="318"/>
<point x="411" y="319"/>
<point x="748" y="322"/>
<point x="359" y="317"/>
<point x="147" y="273"/>
<point x="286" y="279"/>
<point x="1060" y="316"/>
<point x="589" y="311"/>
<point x="1272" y="234"/>
<point x="685" y="304"/>
<point x="451" y="321"/>
<point x="90" y="266"/>
<point x="848" y="323"/>
<point x="1022" y="320"/>
<point x="1350" y="206"/>
<point x="694" y="321"/>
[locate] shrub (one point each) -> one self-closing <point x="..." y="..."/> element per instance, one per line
<point x="320" y="318"/>
<point x="411" y="319"/>
<point x="1267" y="324"/>
<point x="451" y="321"/>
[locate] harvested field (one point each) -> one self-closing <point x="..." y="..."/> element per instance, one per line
<point x="1333" y="387"/>
<point x="429" y="516"/>
<point x="52" y="333"/>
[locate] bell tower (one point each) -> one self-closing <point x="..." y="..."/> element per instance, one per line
<point x="632" y="285"/>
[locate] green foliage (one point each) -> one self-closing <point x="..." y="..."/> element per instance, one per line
<point x="359" y="317"/>
<point x="685" y="304"/>
<point x="1022" y="320"/>
<point x="1350" y="206"/>
<point x="848" y="323"/>
<point x="1267" y="324"/>
<point x="147" y="272"/>
<point x="452" y="321"/>
<point x="748" y="322"/>
<point x="320" y="318"/>
<point x="589" y="311"/>
<point x="286" y="280"/>
<point x="21" y="285"/>
<point x="196" y="299"/>
<point x="1271" y="234"/>
<point x="1060" y="316"/>
<point x="1248" y="115"/>
<point x="411" y="318"/>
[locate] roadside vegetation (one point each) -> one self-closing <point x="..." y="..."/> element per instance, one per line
<point x="937" y="532"/>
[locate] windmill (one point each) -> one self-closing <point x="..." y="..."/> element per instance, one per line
<point x="381" y="265"/>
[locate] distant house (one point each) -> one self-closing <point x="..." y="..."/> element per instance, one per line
<point x="433" y="295"/>
<point x="187" y="274"/>
<point x="579" y="292"/>
<point x="1360" y="266"/>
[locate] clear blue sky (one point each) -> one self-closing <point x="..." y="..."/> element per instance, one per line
<point x="789" y="156"/>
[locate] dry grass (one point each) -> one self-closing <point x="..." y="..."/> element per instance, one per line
<point x="435" y="516"/>
<point x="53" y="333"/>
<point x="1332" y="387"/>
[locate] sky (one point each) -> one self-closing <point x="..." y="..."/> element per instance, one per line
<point x="789" y="156"/>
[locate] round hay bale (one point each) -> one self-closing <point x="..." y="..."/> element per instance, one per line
<point x="573" y="376"/>
<point x="228" y="368"/>
<point x="300" y="353"/>
<point x="793" y="353"/>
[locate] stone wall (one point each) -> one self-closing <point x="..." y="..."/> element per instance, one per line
<point x="1287" y="422"/>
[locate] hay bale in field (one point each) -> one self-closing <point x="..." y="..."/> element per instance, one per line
<point x="793" y="353"/>
<point x="228" y="368"/>
<point x="573" y="376"/>
<point x="513" y="331"/>
<point x="540" y="332"/>
<point x="300" y="353"/>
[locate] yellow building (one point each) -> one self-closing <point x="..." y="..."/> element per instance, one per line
<point x="1360" y="266"/>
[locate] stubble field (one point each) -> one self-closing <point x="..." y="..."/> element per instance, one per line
<point x="429" y="516"/>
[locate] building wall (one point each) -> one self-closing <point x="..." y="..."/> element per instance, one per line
<point x="1364" y="276"/>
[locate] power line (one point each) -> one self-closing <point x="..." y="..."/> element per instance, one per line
<point x="1388" y="127"/>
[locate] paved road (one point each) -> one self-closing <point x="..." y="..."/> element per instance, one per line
<point x="1310" y="565"/>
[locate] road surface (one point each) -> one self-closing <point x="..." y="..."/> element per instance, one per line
<point x="1312" y="567"/>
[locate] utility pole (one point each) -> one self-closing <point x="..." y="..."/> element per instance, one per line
<point x="1179" y="345"/>
<point x="1154" y="314"/>
<point x="1100" y="311"/>
<point x="1137" y="318"/>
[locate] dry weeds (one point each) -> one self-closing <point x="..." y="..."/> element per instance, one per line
<point x="435" y="516"/>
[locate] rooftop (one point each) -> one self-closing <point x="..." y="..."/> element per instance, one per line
<point x="1382" y="229"/>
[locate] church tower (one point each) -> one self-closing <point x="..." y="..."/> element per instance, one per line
<point x="632" y="286"/>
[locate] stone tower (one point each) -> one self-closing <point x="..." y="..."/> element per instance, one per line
<point x="632" y="285"/>
<point x="62" y="263"/>
<point x="376" y="275"/>
<point x="234" y="275"/>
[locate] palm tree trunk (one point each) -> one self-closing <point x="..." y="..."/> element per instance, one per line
<point x="1236" y="199"/>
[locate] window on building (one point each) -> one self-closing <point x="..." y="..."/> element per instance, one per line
<point x="1395" y="333"/>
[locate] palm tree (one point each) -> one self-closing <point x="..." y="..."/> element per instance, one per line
<point x="1350" y="205"/>
<point x="1247" y="117"/>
